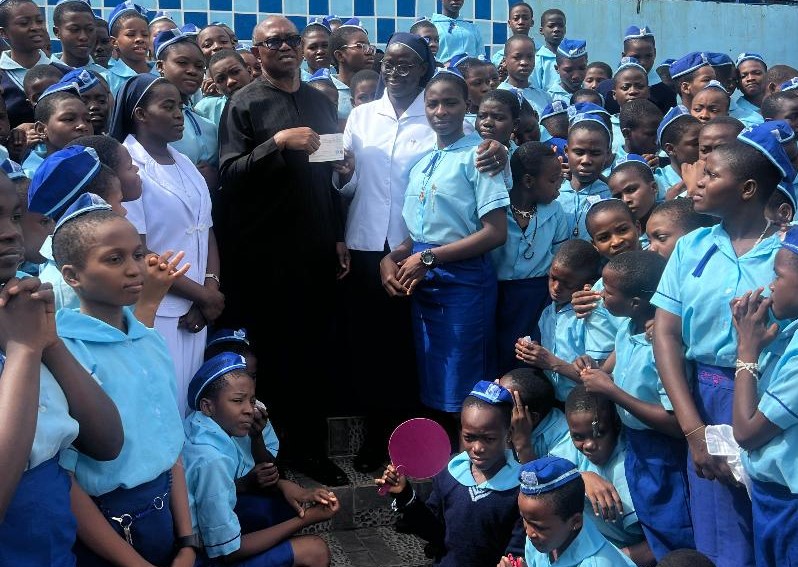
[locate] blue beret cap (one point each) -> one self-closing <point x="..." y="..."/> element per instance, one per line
<point x="629" y="63"/>
<point x="211" y="369"/>
<point x="460" y="58"/>
<point x="749" y="57"/>
<point x="674" y="114"/>
<point x="546" y="474"/>
<point x="60" y="178"/>
<point x="768" y="138"/>
<point x="228" y="336"/>
<point x="161" y="15"/>
<point x="688" y="63"/>
<point x="629" y="158"/>
<point x="333" y="18"/>
<point x="319" y="21"/>
<point x="127" y="6"/>
<point x="637" y="32"/>
<point x="12" y="169"/>
<point x="790" y="241"/>
<point x="788" y="190"/>
<point x="169" y="37"/>
<point x="559" y="147"/>
<point x="572" y="48"/>
<point x="190" y="29"/>
<point x="719" y="59"/>
<point x="60" y="87"/>
<point x="320" y="75"/>
<point x="85" y="80"/>
<point x="86" y="203"/>
<point x="491" y="392"/>
<point x="354" y="23"/>
<point x="586" y="108"/>
<point x="789" y="85"/>
<point x="553" y="109"/>
<point x="713" y="84"/>
<point x="666" y="63"/>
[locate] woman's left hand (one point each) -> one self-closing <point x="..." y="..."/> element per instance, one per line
<point x="411" y="271"/>
<point x="491" y="157"/>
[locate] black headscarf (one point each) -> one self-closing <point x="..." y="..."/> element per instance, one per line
<point x="127" y="100"/>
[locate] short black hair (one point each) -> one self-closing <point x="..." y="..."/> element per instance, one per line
<point x="680" y="212"/>
<point x="534" y="388"/>
<point x="593" y="126"/>
<point x="526" y="109"/>
<point x="746" y="162"/>
<point x="449" y="78"/>
<point x="75" y="6"/>
<point x="46" y="106"/>
<point x="580" y="400"/>
<point x="361" y="76"/>
<point x="771" y="106"/>
<point x="40" y="72"/>
<point x="521" y="5"/>
<point x="506" y="98"/>
<point x="468" y="64"/>
<point x="551" y="12"/>
<point x="779" y="74"/>
<point x="7" y="7"/>
<point x="224" y="54"/>
<point x="127" y="15"/>
<point x="600" y="65"/>
<point x="605" y="206"/>
<point x="637" y="112"/>
<point x="582" y="95"/>
<point x="685" y="558"/>
<point x="730" y="121"/>
<point x="640" y="272"/>
<point x="101" y="183"/>
<point x="578" y="254"/>
<point x="528" y="160"/>
<point x="518" y="37"/>
<point x="641" y="168"/>
<point x="556" y="125"/>
<point x="421" y="24"/>
<point x="505" y="411"/>
<point x="339" y="38"/>
<point x="674" y="131"/>
<point x="566" y="500"/>
<point x="107" y="148"/>
<point x="73" y="239"/>
<point x="306" y="31"/>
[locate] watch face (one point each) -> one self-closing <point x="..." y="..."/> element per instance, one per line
<point x="427" y="258"/>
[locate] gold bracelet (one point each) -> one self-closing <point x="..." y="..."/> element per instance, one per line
<point x="694" y="430"/>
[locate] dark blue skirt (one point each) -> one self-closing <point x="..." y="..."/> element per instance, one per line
<point x="657" y="479"/>
<point x="775" y="524"/>
<point x="520" y="304"/>
<point x="721" y="514"/>
<point x="454" y="328"/>
<point x="145" y="508"/>
<point x="39" y="528"/>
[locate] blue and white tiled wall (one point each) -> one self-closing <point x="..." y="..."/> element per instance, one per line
<point x="680" y="25"/>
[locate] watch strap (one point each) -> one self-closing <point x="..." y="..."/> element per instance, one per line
<point x="192" y="540"/>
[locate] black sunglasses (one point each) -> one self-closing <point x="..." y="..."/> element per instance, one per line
<point x="275" y="43"/>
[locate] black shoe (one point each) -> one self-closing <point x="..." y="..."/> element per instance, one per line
<point x="369" y="460"/>
<point x="321" y="469"/>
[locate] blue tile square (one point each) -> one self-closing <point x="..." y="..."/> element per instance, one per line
<point x="199" y="19"/>
<point x="245" y="5"/>
<point x="319" y="7"/>
<point x="298" y="7"/>
<point x="223" y="17"/>
<point x="482" y="10"/>
<point x="270" y="6"/>
<point x="169" y="4"/>
<point x="195" y="5"/>
<point x="110" y="3"/>
<point x="55" y="45"/>
<point x="385" y="27"/>
<point x="406" y="8"/>
<point x="499" y="34"/>
<point x="364" y="8"/>
<point x="299" y="21"/>
<point x="342" y="8"/>
<point x="385" y="8"/>
<point x="244" y="24"/>
<point x="221" y="5"/>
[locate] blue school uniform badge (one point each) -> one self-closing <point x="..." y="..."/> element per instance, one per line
<point x="228" y="336"/>
<point x="491" y="392"/>
<point x="85" y="80"/>
<point x="789" y="85"/>
<point x="637" y="32"/>
<point x="572" y="48"/>
<point x="546" y="474"/>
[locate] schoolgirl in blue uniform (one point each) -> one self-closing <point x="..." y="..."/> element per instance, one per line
<point x="677" y="135"/>
<point x="471" y="516"/>
<point x="455" y="34"/>
<point x="181" y="62"/>
<point x="656" y="451"/>
<point x="536" y="227"/>
<point x="588" y="151"/>
<point x="238" y="524"/>
<point x="455" y="216"/>
<point x="708" y="268"/>
<point x="136" y="505"/>
<point x="632" y="182"/>
<point x="130" y="34"/>
<point x="45" y="411"/>
<point x="551" y="502"/>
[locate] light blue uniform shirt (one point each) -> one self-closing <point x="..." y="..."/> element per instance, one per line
<point x="471" y="118"/>
<point x="528" y="254"/>
<point x="344" y="98"/>
<point x="213" y="462"/>
<point x="702" y="275"/>
<point x="575" y="204"/>
<point x="563" y="335"/>
<point x="617" y="136"/>
<point x="457" y="36"/>
<point x="551" y="433"/>
<point x="65" y="296"/>
<point x="119" y="72"/>
<point x="746" y="112"/>
<point x="17" y="72"/>
<point x="210" y="108"/>
<point x="778" y="401"/>
<point x="666" y="177"/>
<point x="538" y="98"/>
<point x="620" y="533"/>
<point x="544" y="73"/>
<point x="497" y="57"/>
<point x="446" y="195"/>
<point x="32" y="162"/>
<point x="90" y="66"/>
<point x="588" y="549"/>
<point x="601" y="326"/>
<point x="200" y="142"/>
<point x="636" y="373"/>
<point x="137" y="372"/>
<point x="557" y="92"/>
<point x="505" y="479"/>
